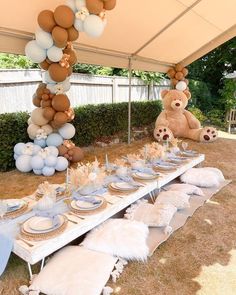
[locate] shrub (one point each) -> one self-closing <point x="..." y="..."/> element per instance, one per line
<point x="198" y="114"/>
<point x="216" y="117"/>
<point x="228" y="94"/>
<point x="91" y="122"/>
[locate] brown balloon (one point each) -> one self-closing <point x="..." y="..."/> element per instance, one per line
<point x="60" y="36"/>
<point x="49" y="61"/>
<point x="46" y="103"/>
<point x="36" y="100"/>
<point x="57" y="72"/>
<point x="73" y="57"/>
<point x="179" y="67"/>
<point x="171" y="73"/>
<point x="94" y="6"/>
<point x="40" y="89"/>
<point x="109" y="4"/>
<point x="49" y="113"/>
<point x="60" y="118"/>
<point x="62" y="150"/>
<point x="46" y="20"/>
<point x="78" y="154"/>
<point x="73" y="34"/>
<point x="64" y="16"/>
<point x="174" y="81"/>
<point x="179" y="76"/>
<point x="185" y="72"/>
<point x="45" y="96"/>
<point x="60" y="102"/>
<point x="44" y="65"/>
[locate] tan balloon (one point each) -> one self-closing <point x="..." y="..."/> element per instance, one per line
<point x="60" y="118"/>
<point x="40" y="89"/>
<point x="60" y="36"/>
<point x="47" y="128"/>
<point x="57" y="72"/>
<point x="44" y="65"/>
<point x="46" y="20"/>
<point x="46" y="103"/>
<point x="38" y="118"/>
<point x="49" y="113"/>
<point x="179" y="67"/>
<point x="77" y="155"/>
<point x="36" y="100"/>
<point x="62" y="150"/>
<point x="179" y="76"/>
<point x="94" y="6"/>
<point x="73" y="34"/>
<point x="60" y="103"/>
<point x="32" y="130"/>
<point x="64" y="16"/>
<point x="185" y="72"/>
<point x="171" y="73"/>
<point x="109" y="4"/>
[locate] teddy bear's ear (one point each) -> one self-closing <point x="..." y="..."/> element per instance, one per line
<point x="164" y="92"/>
<point x="187" y="93"/>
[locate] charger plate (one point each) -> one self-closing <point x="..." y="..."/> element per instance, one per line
<point x="39" y="236"/>
<point x="116" y="189"/>
<point x="145" y="176"/>
<point x="86" y="206"/>
<point x="16" y="213"/>
<point x="84" y="213"/>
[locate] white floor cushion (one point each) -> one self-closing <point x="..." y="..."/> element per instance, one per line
<point x="176" y="198"/>
<point x="120" y="237"/>
<point x="185" y="188"/>
<point x="74" y="271"/>
<point x="152" y="215"/>
<point x="203" y="177"/>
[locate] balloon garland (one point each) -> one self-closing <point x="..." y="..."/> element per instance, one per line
<point x="177" y="76"/>
<point x="49" y="125"/>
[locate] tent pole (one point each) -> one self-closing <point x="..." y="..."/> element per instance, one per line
<point x="129" y="104"/>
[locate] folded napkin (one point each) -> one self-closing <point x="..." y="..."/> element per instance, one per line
<point x="6" y="246"/>
<point x="145" y="170"/>
<point x="52" y="215"/>
<point x="77" y="196"/>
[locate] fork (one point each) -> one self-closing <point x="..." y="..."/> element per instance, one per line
<point x="24" y="241"/>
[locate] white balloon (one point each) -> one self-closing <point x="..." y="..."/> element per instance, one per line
<point x="35" y="52"/>
<point x="67" y="131"/>
<point x="80" y="3"/>
<point x="79" y="25"/>
<point x="93" y="26"/>
<point x="71" y="4"/>
<point x="55" y="54"/>
<point x="181" y="86"/>
<point x="43" y="39"/>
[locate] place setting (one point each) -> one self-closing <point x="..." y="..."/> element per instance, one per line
<point x="12" y="208"/>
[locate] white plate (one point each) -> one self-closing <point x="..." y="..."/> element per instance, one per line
<point x="142" y="175"/>
<point x="123" y="186"/>
<point x="37" y="224"/>
<point x="86" y="206"/>
<point x="166" y="167"/>
<point x="11" y="203"/>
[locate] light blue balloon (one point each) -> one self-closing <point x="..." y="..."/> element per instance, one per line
<point x="18" y="148"/>
<point x="16" y="156"/>
<point x="55" y="53"/>
<point x="37" y="162"/>
<point x="54" y="139"/>
<point x="47" y="78"/>
<point x="67" y="131"/>
<point x="37" y="172"/>
<point x="51" y="161"/>
<point x="62" y="164"/>
<point x="48" y="171"/>
<point x="44" y="39"/>
<point x="23" y="163"/>
<point x="34" y="52"/>
<point x="53" y="151"/>
<point x="36" y="149"/>
<point x="40" y="142"/>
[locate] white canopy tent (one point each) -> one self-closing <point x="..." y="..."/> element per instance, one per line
<point x="146" y="35"/>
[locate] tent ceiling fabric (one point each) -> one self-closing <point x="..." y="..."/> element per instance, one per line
<point x="155" y="34"/>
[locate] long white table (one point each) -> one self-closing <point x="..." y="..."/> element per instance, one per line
<point x="116" y="203"/>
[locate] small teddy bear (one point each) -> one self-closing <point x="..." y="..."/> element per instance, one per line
<point x="176" y="121"/>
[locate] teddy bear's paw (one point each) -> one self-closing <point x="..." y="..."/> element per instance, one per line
<point x="163" y="133"/>
<point x="208" y="134"/>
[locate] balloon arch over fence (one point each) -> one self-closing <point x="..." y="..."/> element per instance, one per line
<point x="49" y="124"/>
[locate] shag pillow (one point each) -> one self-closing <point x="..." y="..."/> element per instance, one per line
<point x="176" y="198"/>
<point x="158" y="215"/>
<point x="203" y="177"/>
<point x="120" y="237"/>
<point x="185" y="188"/>
<point x="74" y="271"/>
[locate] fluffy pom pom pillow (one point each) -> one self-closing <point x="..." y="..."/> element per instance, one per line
<point x="185" y="188"/>
<point x="158" y="215"/>
<point x="176" y="198"/>
<point x="203" y="177"/>
<point x="74" y="271"/>
<point x="120" y="237"/>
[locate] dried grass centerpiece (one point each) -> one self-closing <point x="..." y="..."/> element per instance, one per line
<point x="86" y="178"/>
<point x="153" y="152"/>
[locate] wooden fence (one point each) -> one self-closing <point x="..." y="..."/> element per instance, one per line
<point x="18" y="86"/>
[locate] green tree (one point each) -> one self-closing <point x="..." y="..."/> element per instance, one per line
<point x="228" y="94"/>
<point x="13" y="61"/>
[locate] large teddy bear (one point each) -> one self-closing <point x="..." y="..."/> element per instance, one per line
<point x="175" y="121"/>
